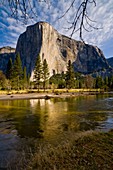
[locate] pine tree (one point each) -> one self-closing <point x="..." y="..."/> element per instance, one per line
<point x="106" y="81"/>
<point x="38" y="72"/>
<point x="2" y="80"/>
<point x="17" y="73"/>
<point x="28" y="80"/>
<point x="110" y="82"/>
<point x="9" y="69"/>
<point x="25" y="78"/>
<point x="89" y="81"/>
<point x="70" y="76"/>
<point x="99" y="82"/>
<point x="45" y="73"/>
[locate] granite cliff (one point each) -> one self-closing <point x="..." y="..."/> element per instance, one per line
<point x="7" y="50"/>
<point x="43" y="39"/>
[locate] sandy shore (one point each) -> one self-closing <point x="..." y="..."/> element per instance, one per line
<point x="41" y="95"/>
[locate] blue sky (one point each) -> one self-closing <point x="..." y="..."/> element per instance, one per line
<point x="10" y="29"/>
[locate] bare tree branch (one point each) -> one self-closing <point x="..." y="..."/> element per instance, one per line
<point x="80" y="20"/>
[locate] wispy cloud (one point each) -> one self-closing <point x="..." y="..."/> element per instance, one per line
<point x="103" y="15"/>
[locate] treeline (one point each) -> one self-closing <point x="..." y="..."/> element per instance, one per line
<point x="16" y="78"/>
<point x="82" y="81"/>
<point x="77" y="80"/>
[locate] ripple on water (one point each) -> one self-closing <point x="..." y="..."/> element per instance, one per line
<point x="8" y="148"/>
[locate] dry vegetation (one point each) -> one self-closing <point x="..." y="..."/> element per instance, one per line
<point x="89" y="151"/>
<point x="49" y="91"/>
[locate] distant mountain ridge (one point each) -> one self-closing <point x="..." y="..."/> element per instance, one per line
<point x="5" y="54"/>
<point x="6" y="50"/>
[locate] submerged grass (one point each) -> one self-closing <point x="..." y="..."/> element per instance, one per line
<point x="90" y="152"/>
<point x="85" y="151"/>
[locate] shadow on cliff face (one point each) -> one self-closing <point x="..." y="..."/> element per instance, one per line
<point x="29" y="45"/>
<point x="89" y="59"/>
<point x="4" y="58"/>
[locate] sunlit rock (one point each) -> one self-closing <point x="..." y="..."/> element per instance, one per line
<point x="57" y="49"/>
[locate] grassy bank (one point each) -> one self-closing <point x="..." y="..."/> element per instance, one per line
<point x="89" y="152"/>
<point x="86" y="151"/>
<point x="49" y="91"/>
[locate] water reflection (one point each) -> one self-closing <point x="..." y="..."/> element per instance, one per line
<point x="47" y="118"/>
<point x="40" y="119"/>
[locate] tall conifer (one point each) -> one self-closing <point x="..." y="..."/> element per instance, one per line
<point x="70" y="75"/>
<point x="17" y="68"/>
<point x="17" y="73"/>
<point x="9" y="69"/>
<point x="45" y="73"/>
<point x="38" y="72"/>
<point x="25" y="78"/>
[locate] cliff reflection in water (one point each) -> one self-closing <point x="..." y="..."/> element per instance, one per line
<point x="61" y="115"/>
<point x="51" y="115"/>
<point x="40" y="118"/>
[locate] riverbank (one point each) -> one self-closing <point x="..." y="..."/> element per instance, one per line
<point x="58" y="93"/>
<point x="92" y="151"/>
<point x="89" y="151"/>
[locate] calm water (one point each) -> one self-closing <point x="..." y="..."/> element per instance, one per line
<point x="22" y="121"/>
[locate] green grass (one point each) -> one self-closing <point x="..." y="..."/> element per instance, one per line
<point x="89" y="152"/>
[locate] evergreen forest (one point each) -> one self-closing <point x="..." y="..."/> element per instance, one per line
<point x="16" y="78"/>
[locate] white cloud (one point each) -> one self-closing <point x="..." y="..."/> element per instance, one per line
<point x="4" y="13"/>
<point x="102" y="14"/>
<point x="2" y="26"/>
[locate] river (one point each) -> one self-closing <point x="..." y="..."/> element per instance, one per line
<point x="38" y="120"/>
